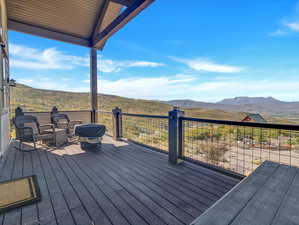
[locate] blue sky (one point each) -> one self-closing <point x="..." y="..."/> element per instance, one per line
<point x="205" y="50"/>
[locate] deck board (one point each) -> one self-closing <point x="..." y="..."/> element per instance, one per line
<point x="14" y="217"/>
<point x="268" y="196"/>
<point x="123" y="183"/>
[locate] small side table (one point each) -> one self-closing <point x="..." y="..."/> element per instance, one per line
<point x="60" y="137"/>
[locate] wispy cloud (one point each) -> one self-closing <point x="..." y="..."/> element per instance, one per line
<point x="278" y="32"/>
<point x="44" y="82"/>
<point x="178" y="87"/>
<point x="288" y="24"/>
<point x="43" y="59"/>
<point x="206" y="65"/>
<point x="108" y="66"/>
<point x="50" y="59"/>
<point x="294" y="26"/>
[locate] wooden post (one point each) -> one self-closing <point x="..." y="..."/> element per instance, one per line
<point x="93" y="85"/>
<point x="117" y="123"/>
<point x="175" y="136"/>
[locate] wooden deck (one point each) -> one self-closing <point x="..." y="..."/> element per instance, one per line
<point x="122" y="184"/>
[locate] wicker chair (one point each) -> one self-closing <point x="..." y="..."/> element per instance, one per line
<point x="28" y="129"/>
<point x="62" y="121"/>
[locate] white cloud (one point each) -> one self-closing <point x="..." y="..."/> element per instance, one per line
<point x="109" y="66"/>
<point x="294" y="26"/>
<point x="289" y="23"/>
<point x="278" y="32"/>
<point x="51" y="58"/>
<point x="206" y="65"/>
<point x="44" y="82"/>
<point x="182" y="87"/>
<point x="178" y="87"/>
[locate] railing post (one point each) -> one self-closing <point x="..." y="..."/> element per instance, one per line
<point x="175" y="135"/>
<point x="93" y="116"/>
<point x="117" y="123"/>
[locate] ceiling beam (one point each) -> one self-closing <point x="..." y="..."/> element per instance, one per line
<point x="100" y="17"/>
<point x="123" y="2"/>
<point x="47" y="33"/>
<point x="128" y="14"/>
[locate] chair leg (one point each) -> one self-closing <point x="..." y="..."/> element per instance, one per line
<point x="34" y="144"/>
<point x="20" y="145"/>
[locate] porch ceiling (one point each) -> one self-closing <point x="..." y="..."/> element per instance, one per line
<point x="74" y="21"/>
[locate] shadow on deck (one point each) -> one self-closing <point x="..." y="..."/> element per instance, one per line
<point x="121" y="184"/>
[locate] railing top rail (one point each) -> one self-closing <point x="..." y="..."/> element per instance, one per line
<point x="146" y="116"/>
<point x="83" y="110"/>
<point x="244" y="124"/>
<point x="101" y="111"/>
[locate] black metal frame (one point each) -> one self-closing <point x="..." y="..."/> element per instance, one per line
<point x="244" y="124"/>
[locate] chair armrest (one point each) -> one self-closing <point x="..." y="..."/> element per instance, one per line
<point x="47" y="126"/>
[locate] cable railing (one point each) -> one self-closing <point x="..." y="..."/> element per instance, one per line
<point x="106" y="118"/>
<point x="151" y="130"/>
<point x="239" y="146"/>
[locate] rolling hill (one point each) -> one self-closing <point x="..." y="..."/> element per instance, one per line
<point x="32" y="99"/>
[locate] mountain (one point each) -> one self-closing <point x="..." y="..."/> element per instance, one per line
<point x="250" y="100"/>
<point x="32" y="99"/>
<point x="268" y="106"/>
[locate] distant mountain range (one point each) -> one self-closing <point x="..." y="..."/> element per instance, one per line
<point x="269" y="105"/>
<point x="275" y="111"/>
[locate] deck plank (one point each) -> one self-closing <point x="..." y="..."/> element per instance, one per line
<point x="199" y="194"/>
<point x="128" y="212"/>
<point x="7" y="172"/>
<point x="213" y="189"/>
<point x="170" y="194"/>
<point x="157" y="198"/>
<point x="289" y="205"/>
<point x="73" y="202"/>
<point x="120" y="184"/>
<point x="191" y="169"/>
<point x="224" y="212"/>
<point x="14" y="216"/>
<point x="128" y="197"/>
<point x="46" y="212"/>
<point x="102" y="200"/>
<point x="94" y="211"/>
<point x="29" y="213"/>
<point x="91" y="161"/>
<point x="263" y="206"/>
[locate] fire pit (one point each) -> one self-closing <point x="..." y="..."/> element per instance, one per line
<point x="90" y="135"/>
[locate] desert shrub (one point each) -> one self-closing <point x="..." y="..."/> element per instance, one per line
<point x="213" y="152"/>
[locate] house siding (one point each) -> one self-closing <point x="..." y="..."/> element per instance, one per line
<point x="4" y="93"/>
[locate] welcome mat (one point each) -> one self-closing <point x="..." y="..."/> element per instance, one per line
<point x="18" y="192"/>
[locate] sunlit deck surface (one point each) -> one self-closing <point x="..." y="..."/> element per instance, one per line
<point x="122" y="184"/>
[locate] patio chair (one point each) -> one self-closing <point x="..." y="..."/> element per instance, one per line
<point x="62" y="121"/>
<point x="28" y="129"/>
